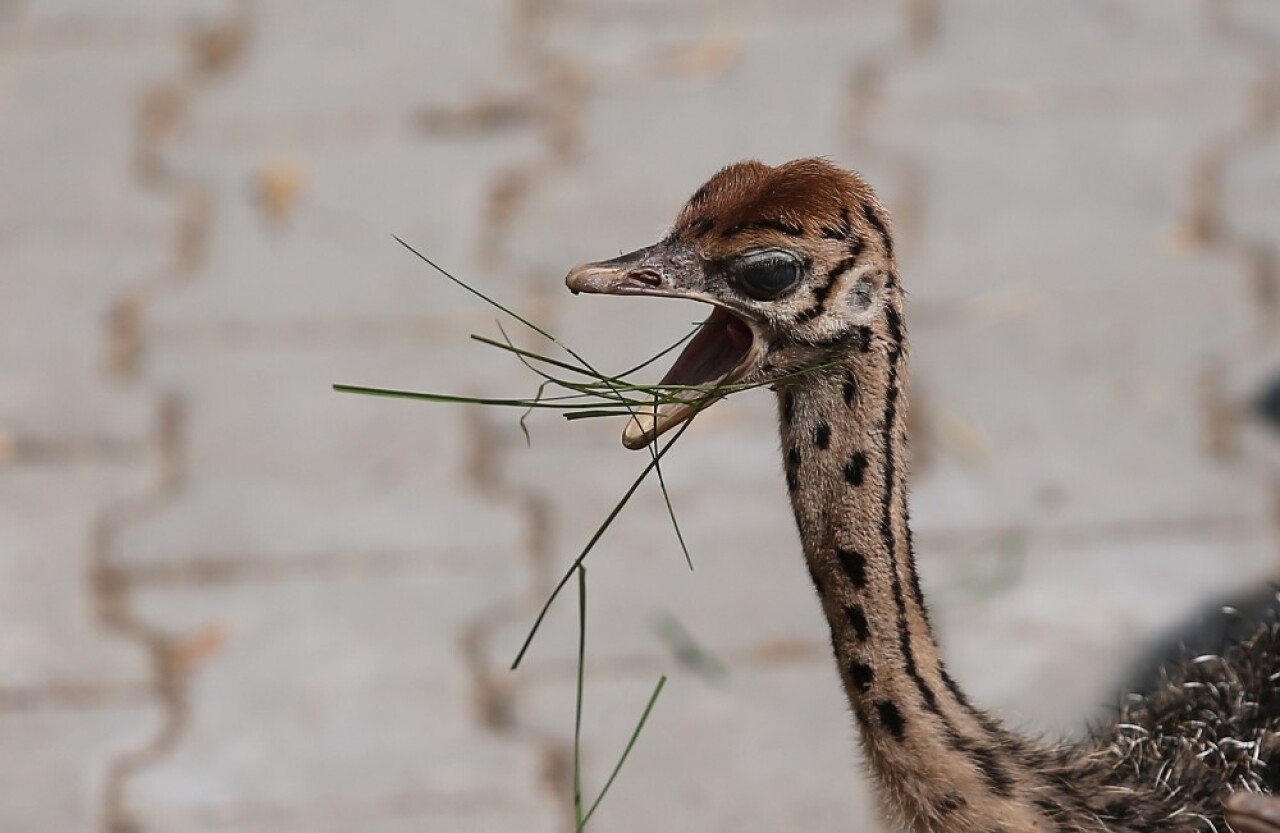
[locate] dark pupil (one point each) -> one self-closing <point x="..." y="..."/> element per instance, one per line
<point x="768" y="279"/>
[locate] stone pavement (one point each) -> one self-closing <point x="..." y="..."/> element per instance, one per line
<point x="232" y="600"/>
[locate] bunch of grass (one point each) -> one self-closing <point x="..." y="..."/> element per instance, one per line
<point x="573" y="386"/>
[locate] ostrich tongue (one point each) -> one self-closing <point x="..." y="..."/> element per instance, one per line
<point x="717" y="356"/>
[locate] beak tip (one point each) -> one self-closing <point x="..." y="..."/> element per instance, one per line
<point x="583" y="278"/>
<point x="641" y="430"/>
<point x="635" y="440"/>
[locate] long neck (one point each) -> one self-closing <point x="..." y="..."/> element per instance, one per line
<point x="941" y="763"/>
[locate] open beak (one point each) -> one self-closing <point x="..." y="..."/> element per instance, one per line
<point x="723" y="351"/>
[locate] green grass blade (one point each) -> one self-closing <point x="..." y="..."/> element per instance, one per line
<point x="477" y="292"/>
<point x="644" y="718"/>
<point x="596" y="414"/>
<point x="624" y="374"/>
<point x="657" y="457"/>
<point x="524" y="418"/>
<point x="583" y="389"/>
<point x="671" y="513"/>
<point x="599" y="533"/>
<point x="554" y="403"/>
<point x="577" y="717"/>
<point x="529" y="354"/>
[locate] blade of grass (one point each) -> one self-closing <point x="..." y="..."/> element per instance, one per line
<point x="577" y="717"/>
<point x="583" y="389"/>
<point x="524" y="418"/>
<point x="671" y="513"/>
<point x="599" y="533"/>
<point x="644" y="718"/>
<point x="520" y="351"/>
<point x="662" y="481"/>
<point x="624" y="374"/>
<point x="548" y="402"/>
<point x="477" y="292"/>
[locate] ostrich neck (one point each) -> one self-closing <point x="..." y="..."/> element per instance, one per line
<point x="940" y="763"/>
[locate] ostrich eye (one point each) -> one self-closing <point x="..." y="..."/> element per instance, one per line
<point x="766" y="276"/>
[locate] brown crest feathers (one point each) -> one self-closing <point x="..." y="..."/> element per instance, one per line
<point x="804" y="197"/>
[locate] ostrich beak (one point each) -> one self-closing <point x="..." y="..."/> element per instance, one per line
<point x="723" y="351"/>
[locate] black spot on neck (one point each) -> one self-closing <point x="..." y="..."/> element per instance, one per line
<point x="858" y="621"/>
<point x="855" y="470"/>
<point x="822" y="435"/>
<point x="788" y="407"/>
<point x="850" y="389"/>
<point x="891" y="719"/>
<point x="793" y="469"/>
<point x="854" y="565"/>
<point x="861" y="675"/>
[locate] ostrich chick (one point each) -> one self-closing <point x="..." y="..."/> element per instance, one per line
<point x="797" y="263"/>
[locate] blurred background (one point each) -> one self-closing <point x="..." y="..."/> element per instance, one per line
<point x="233" y="600"/>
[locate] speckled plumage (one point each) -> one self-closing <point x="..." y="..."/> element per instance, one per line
<point x="941" y="764"/>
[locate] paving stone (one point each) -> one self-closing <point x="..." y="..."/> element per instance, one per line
<point x="1258" y="20"/>
<point x="78" y="231"/>
<point x="771" y="748"/>
<point x="276" y="465"/>
<point x="350" y="692"/>
<point x="405" y="816"/>
<point x="331" y="263"/>
<point x="77" y="109"/>
<point x="1103" y="49"/>
<point x="693" y="127"/>
<point x="56" y="780"/>
<point x="1047" y="632"/>
<point x="54" y="385"/>
<point x="1121" y="385"/>
<point x="684" y="38"/>
<point x="1103" y="175"/>
<point x="51" y="635"/>
<point x="331" y="59"/>
<point x="1251" y="184"/>
<point x="125" y="11"/>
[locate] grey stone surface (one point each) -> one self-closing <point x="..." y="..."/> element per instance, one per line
<point x="740" y="732"/>
<point x="311" y="472"/>
<point x="55" y="774"/>
<point x="324" y="681"/>
<point x="54" y="637"/>
<point x="237" y="601"/>
<point x="76" y="232"/>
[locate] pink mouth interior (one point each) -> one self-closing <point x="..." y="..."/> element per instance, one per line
<point x="719" y="347"/>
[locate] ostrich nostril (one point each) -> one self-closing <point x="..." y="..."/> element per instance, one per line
<point x="646" y="276"/>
